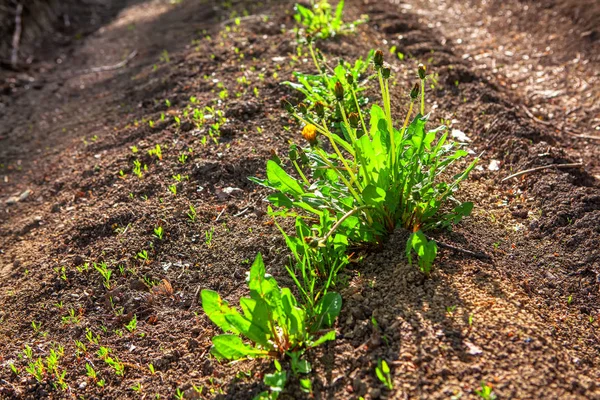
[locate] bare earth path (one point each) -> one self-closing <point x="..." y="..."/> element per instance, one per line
<point x="524" y="322"/>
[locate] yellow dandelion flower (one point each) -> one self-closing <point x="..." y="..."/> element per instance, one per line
<point x="309" y="132"/>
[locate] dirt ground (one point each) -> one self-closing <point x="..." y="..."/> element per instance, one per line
<point x="520" y="78"/>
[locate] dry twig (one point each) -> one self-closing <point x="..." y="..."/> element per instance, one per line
<point x="477" y="255"/>
<point x="533" y="117"/>
<point x="559" y="166"/>
<point x="16" y="36"/>
<point x="111" y="67"/>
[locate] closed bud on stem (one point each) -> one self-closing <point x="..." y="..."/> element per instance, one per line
<point x="303" y="109"/>
<point x="414" y="92"/>
<point x="339" y="91"/>
<point x="353" y="118"/>
<point x="378" y="59"/>
<point x="422" y="71"/>
<point x="293" y="154"/>
<point x="309" y="39"/>
<point x="385" y="72"/>
<point x="287" y="105"/>
<point x="320" y="109"/>
<point x="311" y="241"/>
<point x="350" y="79"/>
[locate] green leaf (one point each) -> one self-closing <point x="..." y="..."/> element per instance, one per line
<point x="385" y="367"/>
<point x="256" y="311"/>
<point x="380" y="374"/>
<point x="426" y="250"/>
<point x="276" y="381"/>
<point x="280" y="179"/>
<point x="250" y="329"/>
<point x="231" y="347"/>
<point x="374" y="195"/>
<point x="378" y="129"/>
<point x="306" y="385"/>
<point x="464" y="210"/>
<point x="257" y="273"/>
<point x="328" y="309"/>
<point x="302" y="366"/>
<point x="324" y="338"/>
<point x="259" y="282"/>
<point x="279" y="199"/>
<point x="295" y="316"/>
<point x="216" y="309"/>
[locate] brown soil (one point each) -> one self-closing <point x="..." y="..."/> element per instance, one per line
<point x="526" y="321"/>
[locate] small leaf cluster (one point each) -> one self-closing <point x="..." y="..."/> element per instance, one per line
<point x="322" y="21"/>
<point x="271" y="320"/>
<point x="319" y="89"/>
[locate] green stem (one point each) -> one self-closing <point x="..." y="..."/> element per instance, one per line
<point x="345" y="118"/>
<point x="385" y="94"/>
<point x="361" y="161"/>
<point x="323" y="240"/>
<point x="324" y="131"/>
<point x="301" y="173"/>
<point x="362" y="121"/>
<point x="339" y="154"/>
<point x="410" y="109"/>
<point x="314" y="58"/>
<point x="422" y="96"/>
<point x="342" y="177"/>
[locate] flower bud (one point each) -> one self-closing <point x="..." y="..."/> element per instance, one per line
<point x="320" y="109"/>
<point x="385" y="72"/>
<point x="293" y="154"/>
<point x="309" y="39"/>
<point x="422" y="71"/>
<point x="287" y="105"/>
<point x="378" y="59"/>
<point x="311" y="241"/>
<point x="414" y="92"/>
<point x="303" y="109"/>
<point x="350" y="79"/>
<point x="339" y="91"/>
<point x="353" y="118"/>
<point x="309" y="132"/>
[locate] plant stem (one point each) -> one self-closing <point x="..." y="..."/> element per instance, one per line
<point x="325" y="132"/>
<point x="422" y="96"/>
<point x="385" y="94"/>
<point x="314" y="58"/>
<point x="348" y="127"/>
<point x="362" y="120"/>
<point x="339" y="154"/>
<point x="410" y="110"/>
<point x="339" y="222"/>
<point x="301" y="173"/>
<point x="342" y="177"/>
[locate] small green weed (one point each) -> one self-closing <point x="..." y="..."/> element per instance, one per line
<point x="271" y="320"/>
<point x="382" y="370"/>
<point x="321" y="21"/>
